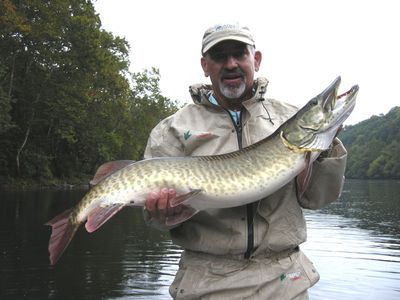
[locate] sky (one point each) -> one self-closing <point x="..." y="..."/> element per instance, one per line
<point x="305" y="44"/>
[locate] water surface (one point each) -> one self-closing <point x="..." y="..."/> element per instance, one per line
<point x="354" y="243"/>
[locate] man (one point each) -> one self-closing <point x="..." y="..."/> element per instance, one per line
<point x="247" y="252"/>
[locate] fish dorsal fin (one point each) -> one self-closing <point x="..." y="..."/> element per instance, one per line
<point x="108" y="168"/>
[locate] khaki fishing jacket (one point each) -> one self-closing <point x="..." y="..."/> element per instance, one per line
<point x="273" y="224"/>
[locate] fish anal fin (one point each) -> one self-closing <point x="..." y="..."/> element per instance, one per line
<point x="99" y="215"/>
<point x="62" y="233"/>
<point x="181" y="199"/>
<point x="186" y="213"/>
<point x="303" y="179"/>
<point x="108" y="168"/>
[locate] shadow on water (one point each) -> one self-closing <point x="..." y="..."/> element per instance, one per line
<point x="355" y="244"/>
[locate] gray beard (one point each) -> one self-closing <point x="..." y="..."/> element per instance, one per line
<point x="233" y="92"/>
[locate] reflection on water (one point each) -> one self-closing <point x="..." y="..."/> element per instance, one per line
<point x="122" y="259"/>
<point x="353" y="263"/>
<point x="355" y="244"/>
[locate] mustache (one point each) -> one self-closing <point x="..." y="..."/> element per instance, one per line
<point x="229" y="72"/>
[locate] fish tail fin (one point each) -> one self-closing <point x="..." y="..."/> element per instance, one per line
<point x="62" y="233"/>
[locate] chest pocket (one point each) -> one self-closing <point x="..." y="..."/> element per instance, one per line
<point x="219" y="141"/>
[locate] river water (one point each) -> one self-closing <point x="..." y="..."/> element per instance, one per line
<point x="354" y="243"/>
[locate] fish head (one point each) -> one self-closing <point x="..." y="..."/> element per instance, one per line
<point x="316" y="124"/>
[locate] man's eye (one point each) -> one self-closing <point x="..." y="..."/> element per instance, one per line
<point x="238" y="54"/>
<point x="222" y="56"/>
<point x="219" y="56"/>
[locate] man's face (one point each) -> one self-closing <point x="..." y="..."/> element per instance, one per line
<point x="231" y="66"/>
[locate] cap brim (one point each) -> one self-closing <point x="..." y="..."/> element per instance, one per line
<point x="244" y="40"/>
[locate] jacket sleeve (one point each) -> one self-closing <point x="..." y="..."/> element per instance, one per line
<point x="162" y="141"/>
<point x="327" y="178"/>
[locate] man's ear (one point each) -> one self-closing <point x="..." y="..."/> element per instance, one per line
<point x="257" y="60"/>
<point x="204" y="65"/>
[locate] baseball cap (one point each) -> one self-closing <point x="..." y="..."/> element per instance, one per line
<point x="223" y="32"/>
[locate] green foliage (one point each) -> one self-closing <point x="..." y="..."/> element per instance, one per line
<point x="148" y="107"/>
<point x="66" y="104"/>
<point x="374" y="147"/>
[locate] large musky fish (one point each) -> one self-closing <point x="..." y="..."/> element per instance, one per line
<point x="217" y="181"/>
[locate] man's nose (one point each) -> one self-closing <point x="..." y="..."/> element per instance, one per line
<point x="231" y="62"/>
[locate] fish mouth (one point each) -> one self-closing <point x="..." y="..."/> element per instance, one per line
<point x="338" y="104"/>
<point x="320" y="120"/>
<point x="335" y="107"/>
<point x="344" y="104"/>
<point x="352" y="90"/>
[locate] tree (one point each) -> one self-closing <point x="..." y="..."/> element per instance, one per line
<point x="66" y="103"/>
<point x="148" y="107"/>
<point x="373" y="146"/>
<point x="58" y="64"/>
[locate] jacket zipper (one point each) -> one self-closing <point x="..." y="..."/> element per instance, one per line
<point x="249" y="207"/>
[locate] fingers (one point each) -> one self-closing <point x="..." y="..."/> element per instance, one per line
<point x="172" y="193"/>
<point x="162" y="204"/>
<point x="158" y="204"/>
<point x="159" y="200"/>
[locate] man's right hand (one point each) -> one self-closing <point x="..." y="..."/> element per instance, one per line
<point x="158" y="206"/>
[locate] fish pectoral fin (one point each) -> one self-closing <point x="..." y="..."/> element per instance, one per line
<point x="186" y="213"/>
<point x="181" y="199"/>
<point x="303" y="179"/>
<point x="108" y="168"/>
<point x="99" y="215"/>
<point x="62" y="232"/>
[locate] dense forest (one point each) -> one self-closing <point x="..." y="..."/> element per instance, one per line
<point x="69" y="103"/>
<point x="67" y="99"/>
<point x="374" y="147"/>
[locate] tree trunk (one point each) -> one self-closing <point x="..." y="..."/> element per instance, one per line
<point x="27" y="132"/>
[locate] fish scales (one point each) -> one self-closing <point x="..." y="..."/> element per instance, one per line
<point x="245" y="169"/>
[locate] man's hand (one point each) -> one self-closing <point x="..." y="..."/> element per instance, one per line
<point x="160" y="210"/>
